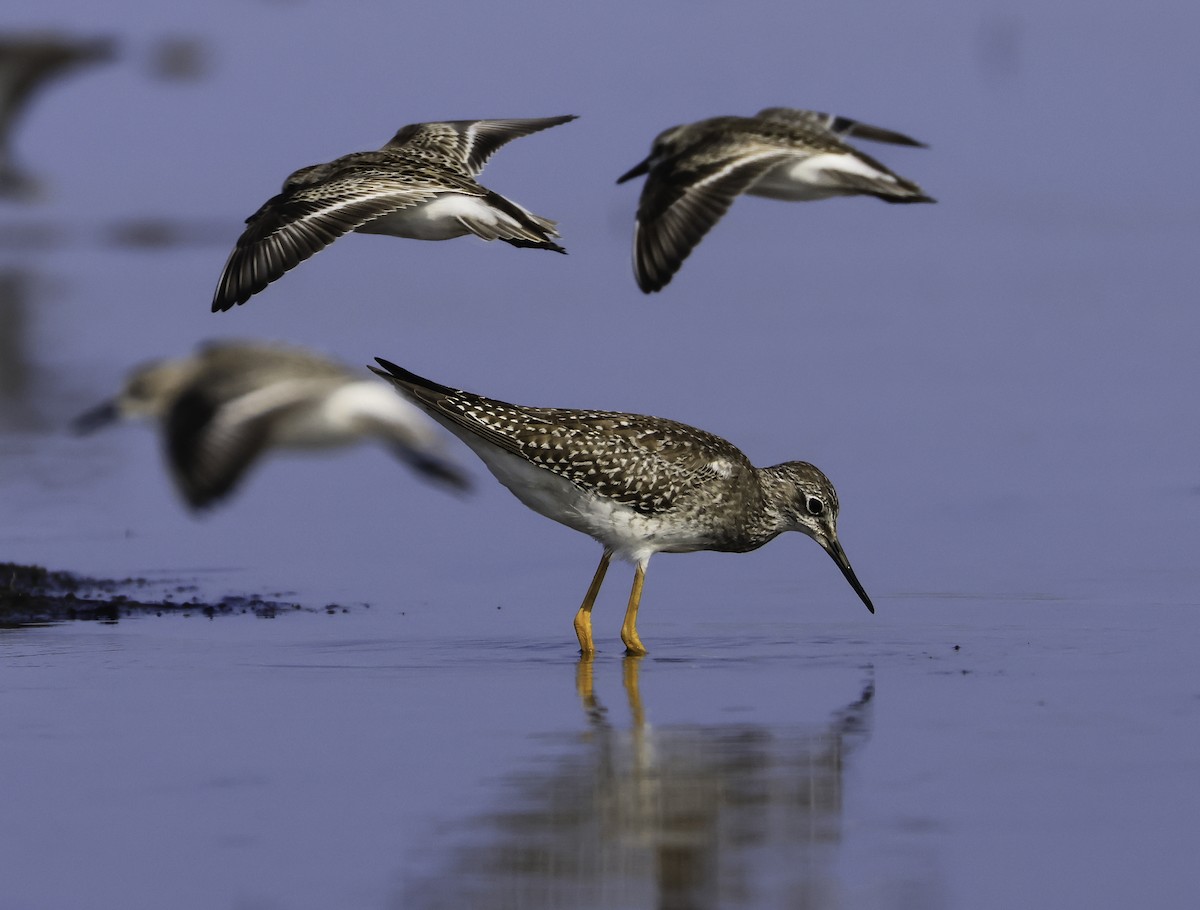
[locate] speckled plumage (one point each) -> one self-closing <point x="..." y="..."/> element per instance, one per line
<point x="638" y="484"/>
<point x="222" y="408"/>
<point x="420" y="185"/>
<point x="695" y="171"/>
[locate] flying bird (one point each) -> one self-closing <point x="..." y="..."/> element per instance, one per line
<point x="223" y="408"/>
<point x="695" y="171"/>
<point x="421" y="185"/>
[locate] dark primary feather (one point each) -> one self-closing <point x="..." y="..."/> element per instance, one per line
<point x="681" y="203"/>
<point x="207" y="466"/>
<point x="209" y="457"/>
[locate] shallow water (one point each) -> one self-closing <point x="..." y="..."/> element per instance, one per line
<point x="353" y="760"/>
<point x="1002" y="387"/>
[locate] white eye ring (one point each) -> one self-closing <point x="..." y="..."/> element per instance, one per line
<point x="814" y="505"/>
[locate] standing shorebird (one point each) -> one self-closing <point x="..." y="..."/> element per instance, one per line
<point x="420" y="185"/>
<point x="225" y="406"/>
<point x="639" y="485"/>
<point x="27" y="62"/>
<point x="695" y="171"/>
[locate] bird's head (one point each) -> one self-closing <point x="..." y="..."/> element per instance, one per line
<point x="807" y="502"/>
<point x="146" y="395"/>
<point x="666" y="145"/>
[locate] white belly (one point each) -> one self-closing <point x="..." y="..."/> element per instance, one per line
<point x="310" y="428"/>
<point x="627" y="532"/>
<point x="350" y="413"/>
<point x="808" y="178"/>
<point x="441" y="218"/>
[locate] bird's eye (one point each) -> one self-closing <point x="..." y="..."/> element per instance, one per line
<point x="814" y="505"/>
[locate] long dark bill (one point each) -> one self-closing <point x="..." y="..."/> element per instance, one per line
<point x="834" y="549"/>
<point x="637" y="170"/>
<point x="90" y="421"/>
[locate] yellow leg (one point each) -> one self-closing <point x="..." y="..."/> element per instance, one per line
<point x="583" y="618"/>
<point x="629" y="635"/>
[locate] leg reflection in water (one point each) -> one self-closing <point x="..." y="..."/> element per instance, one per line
<point x="677" y="817"/>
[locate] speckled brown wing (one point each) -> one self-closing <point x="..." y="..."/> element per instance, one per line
<point x="685" y="196"/>
<point x="644" y="462"/>
<point x="317" y="206"/>
<point x="468" y="143"/>
<point x="842" y="126"/>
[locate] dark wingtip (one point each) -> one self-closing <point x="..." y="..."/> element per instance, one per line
<point x="523" y="244"/>
<point x="908" y="200"/>
<point x="394" y="372"/>
<point x="652" y="285"/>
<point x="439" y="472"/>
<point x="389" y="371"/>
<point x="224" y="299"/>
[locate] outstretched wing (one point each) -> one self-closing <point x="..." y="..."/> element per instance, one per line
<point x="842" y="126"/>
<point x="685" y="196"/>
<point x="644" y="462"/>
<point x="469" y="143"/>
<point x="316" y="207"/>
<point x="215" y="431"/>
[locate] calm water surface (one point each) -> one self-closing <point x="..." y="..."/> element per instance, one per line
<point x="1002" y="386"/>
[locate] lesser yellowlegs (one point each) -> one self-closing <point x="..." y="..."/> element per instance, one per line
<point x="420" y="185"/>
<point x="695" y="171"/>
<point x="229" y="403"/>
<point x="639" y="485"/>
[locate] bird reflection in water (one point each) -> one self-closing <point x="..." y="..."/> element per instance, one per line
<point x="677" y="818"/>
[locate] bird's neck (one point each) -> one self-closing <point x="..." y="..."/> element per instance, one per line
<point x="761" y="521"/>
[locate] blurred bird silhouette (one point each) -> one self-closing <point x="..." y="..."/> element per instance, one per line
<point x="27" y="62"/>
<point x="221" y="409"/>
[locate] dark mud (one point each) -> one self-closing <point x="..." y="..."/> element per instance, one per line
<point x="34" y="595"/>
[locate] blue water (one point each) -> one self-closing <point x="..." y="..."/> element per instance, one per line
<point x="1002" y="387"/>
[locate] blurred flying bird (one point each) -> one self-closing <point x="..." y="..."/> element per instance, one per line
<point x="222" y="408"/>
